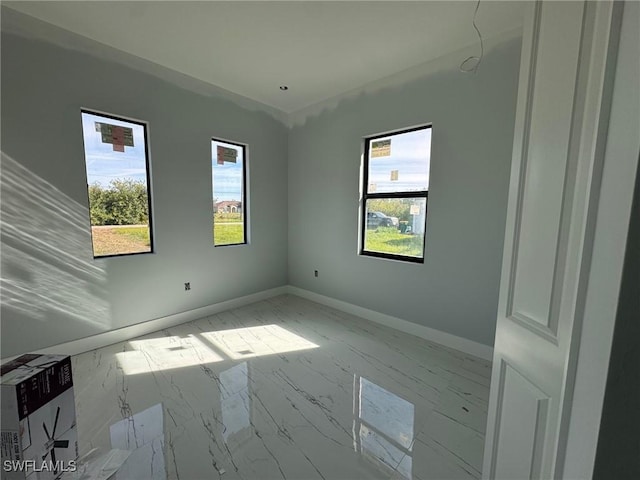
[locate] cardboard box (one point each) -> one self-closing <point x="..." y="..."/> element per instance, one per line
<point x="39" y="436"/>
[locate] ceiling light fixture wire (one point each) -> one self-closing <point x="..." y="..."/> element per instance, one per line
<point x="464" y="66"/>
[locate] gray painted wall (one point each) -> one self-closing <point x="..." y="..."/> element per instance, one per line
<point x="53" y="290"/>
<point x="456" y="289"/>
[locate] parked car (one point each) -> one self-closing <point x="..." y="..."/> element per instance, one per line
<point x="379" y="219"/>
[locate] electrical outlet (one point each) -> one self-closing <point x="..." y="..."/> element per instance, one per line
<point x="315" y="273"/>
<point x="187" y="286"/>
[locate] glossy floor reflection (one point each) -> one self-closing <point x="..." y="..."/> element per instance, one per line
<point x="284" y="389"/>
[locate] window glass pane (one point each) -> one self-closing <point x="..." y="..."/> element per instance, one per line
<point x="228" y="193"/>
<point x="395" y="226"/>
<point x="400" y="163"/>
<point x="116" y="161"/>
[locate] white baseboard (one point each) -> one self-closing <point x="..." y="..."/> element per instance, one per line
<point x="126" y="333"/>
<point x="100" y="340"/>
<point x="446" y="339"/>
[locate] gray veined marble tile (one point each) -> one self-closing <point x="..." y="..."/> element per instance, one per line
<point x="471" y="391"/>
<point x="283" y="389"/>
<point x="143" y="434"/>
<point x="461" y="408"/>
<point x="446" y="448"/>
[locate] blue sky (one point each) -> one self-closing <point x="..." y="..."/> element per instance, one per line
<point x="227" y="178"/>
<point x="103" y="164"/>
<point x="408" y="154"/>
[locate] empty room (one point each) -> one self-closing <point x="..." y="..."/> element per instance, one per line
<point x="320" y="239"/>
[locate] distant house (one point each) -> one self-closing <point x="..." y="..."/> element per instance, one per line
<point x="228" y="206"/>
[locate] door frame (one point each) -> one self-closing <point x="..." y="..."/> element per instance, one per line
<point x="615" y="146"/>
<point x="620" y="150"/>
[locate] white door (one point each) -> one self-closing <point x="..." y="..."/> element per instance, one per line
<point x="562" y="112"/>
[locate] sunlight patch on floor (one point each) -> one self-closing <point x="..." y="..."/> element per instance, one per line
<point x="240" y="343"/>
<point x="156" y="354"/>
<point x="165" y="353"/>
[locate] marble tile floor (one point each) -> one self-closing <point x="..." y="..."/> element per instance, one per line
<point x="284" y="389"/>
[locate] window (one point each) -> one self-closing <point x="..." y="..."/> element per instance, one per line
<point x="117" y="162"/>
<point x="395" y="190"/>
<point x="229" y="204"/>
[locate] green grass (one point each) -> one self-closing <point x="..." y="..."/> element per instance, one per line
<point x="390" y="240"/>
<point x="138" y="233"/>
<point x="227" y="234"/>
<point x="119" y="240"/>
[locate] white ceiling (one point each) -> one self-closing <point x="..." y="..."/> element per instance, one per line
<point x="318" y="49"/>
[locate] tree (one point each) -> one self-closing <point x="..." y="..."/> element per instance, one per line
<point x="124" y="202"/>
<point x="393" y="207"/>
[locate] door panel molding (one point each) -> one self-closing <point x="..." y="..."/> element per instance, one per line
<point x="561" y="118"/>
<point x="511" y="379"/>
<point x="534" y="327"/>
<point x="545" y="183"/>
